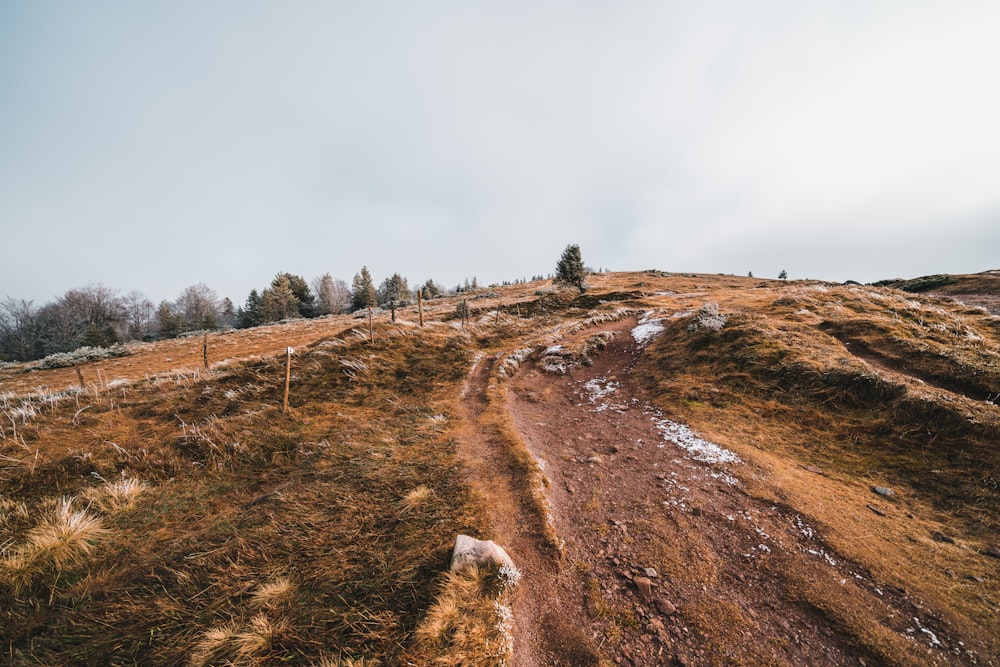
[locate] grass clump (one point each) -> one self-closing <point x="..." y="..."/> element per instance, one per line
<point x="53" y="548"/>
<point x="470" y="621"/>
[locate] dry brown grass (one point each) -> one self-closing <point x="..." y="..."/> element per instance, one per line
<point x="470" y="622"/>
<point x="233" y="534"/>
<point x="61" y="542"/>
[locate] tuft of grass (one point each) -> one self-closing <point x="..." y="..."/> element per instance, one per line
<point x="213" y="643"/>
<point x="470" y="621"/>
<point x="57" y="545"/>
<point x="414" y="499"/>
<point x="272" y="593"/>
<point x="234" y="643"/>
<point x="119" y="496"/>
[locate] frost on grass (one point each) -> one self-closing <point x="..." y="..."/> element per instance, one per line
<point x="508" y="367"/>
<point x="708" y="318"/>
<point x="697" y="448"/>
<point x="80" y="355"/>
<point x="647" y="330"/>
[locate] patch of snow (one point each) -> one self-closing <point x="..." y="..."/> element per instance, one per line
<point x="599" y="388"/>
<point x="697" y="448"/>
<point x="725" y="477"/>
<point x="806" y="530"/>
<point x="647" y="332"/>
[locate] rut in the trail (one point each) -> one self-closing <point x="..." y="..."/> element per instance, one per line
<point x="547" y="623"/>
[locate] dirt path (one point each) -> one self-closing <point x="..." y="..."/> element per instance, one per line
<point x="547" y="622"/>
<point x="668" y="558"/>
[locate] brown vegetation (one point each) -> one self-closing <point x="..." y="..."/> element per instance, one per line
<point x="169" y="514"/>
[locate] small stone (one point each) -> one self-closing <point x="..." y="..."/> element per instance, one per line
<point x="570" y="489"/>
<point x="594" y="459"/>
<point x="625" y="574"/>
<point x="941" y="537"/>
<point x="876" y="510"/>
<point x="978" y="580"/>
<point x="644" y="586"/>
<point x="992" y="552"/>
<point x="656" y="625"/>
<point x="665" y="606"/>
<point x="883" y="491"/>
<point x="614" y="449"/>
<point x="813" y="469"/>
<point x="650" y="572"/>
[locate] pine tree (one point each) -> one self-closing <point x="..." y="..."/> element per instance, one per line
<point x="570" y="270"/>
<point x="251" y="314"/>
<point x="300" y="288"/>
<point x="363" y="290"/>
<point x="279" y="301"/>
<point x="167" y="321"/>
<point x="430" y="290"/>
<point x="394" y="292"/>
<point x="783" y="275"/>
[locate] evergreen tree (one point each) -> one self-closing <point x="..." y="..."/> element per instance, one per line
<point x="304" y="296"/>
<point x="394" y="292"/>
<point x="167" y="321"/>
<point x="251" y="314"/>
<point x="783" y="275"/>
<point x="430" y="290"/>
<point x="279" y="301"/>
<point x="363" y="290"/>
<point x="570" y="270"/>
<point x="227" y="314"/>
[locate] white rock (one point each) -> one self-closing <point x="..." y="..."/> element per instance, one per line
<point x="470" y="551"/>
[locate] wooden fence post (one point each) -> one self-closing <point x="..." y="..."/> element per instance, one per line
<point x="420" y="305"/>
<point x="79" y="375"/>
<point x="204" y="350"/>
<point x="288" y="378"/>
<point x="465" y="312"/>
<point x="499" y="305"/>
<point x="371" y="332"/>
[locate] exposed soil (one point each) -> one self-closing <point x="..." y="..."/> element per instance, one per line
<point x="726" y="569"/>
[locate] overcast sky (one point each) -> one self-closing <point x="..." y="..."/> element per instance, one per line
<point x="151" y="146"/>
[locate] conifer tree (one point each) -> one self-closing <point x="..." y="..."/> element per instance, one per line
<point x="300" y="288"/>
<point x="167" y="321"/>
<point x="363" y="290"/>
<point x="394" y="291"/>
<point x="570" y="269"/>
<point x="250" y="314"/>
<point x="279" y="301"/>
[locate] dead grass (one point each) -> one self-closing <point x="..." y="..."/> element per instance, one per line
<point x="470" y="622"/>
<point x="231" y="534"/>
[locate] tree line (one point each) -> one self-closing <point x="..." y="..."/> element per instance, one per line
<point x="99" y="316"/>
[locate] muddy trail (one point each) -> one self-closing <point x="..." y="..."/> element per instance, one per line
<point x="546" y="629"/>
<point x="668" y="556"/>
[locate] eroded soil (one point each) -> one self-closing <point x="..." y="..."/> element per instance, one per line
<point x="669" y="558"/>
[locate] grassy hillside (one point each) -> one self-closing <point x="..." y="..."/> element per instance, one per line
<point x="165" y="513"/>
